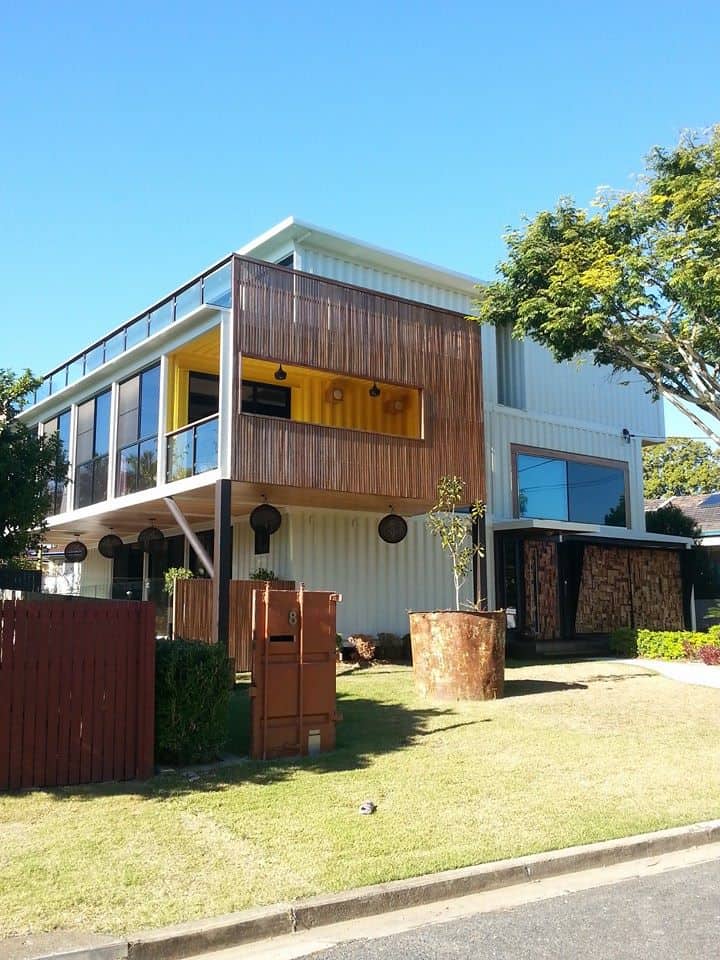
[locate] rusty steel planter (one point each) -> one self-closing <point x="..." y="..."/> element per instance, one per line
<point x="458" y="655"/>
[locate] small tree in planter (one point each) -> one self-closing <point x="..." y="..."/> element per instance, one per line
<point x="172" y="575"/>
<point x="452" y="528"/>
<point x="457" y="654"/>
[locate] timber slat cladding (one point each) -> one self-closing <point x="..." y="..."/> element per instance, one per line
<point x="542" y="614"/>
<point x="77" y="692"/>
<point x="193" y="614"/>
<point x="629" y="588"/>
<point x="299" y="319"/>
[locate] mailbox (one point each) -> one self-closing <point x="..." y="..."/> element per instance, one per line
<point x="293" y="672"/>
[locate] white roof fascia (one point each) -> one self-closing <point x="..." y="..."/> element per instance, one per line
<point x="294" y="230"/>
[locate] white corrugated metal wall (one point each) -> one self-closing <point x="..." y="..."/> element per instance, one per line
<point x="341" y="551"/>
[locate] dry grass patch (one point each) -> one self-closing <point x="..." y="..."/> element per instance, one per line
<point x="575" y="753"/>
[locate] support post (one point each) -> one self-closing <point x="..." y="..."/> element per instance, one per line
<point x="222" y="565"/>
<point x="479" y="564"/>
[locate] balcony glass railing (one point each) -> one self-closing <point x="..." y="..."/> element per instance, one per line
<point x="193" y="449"/>
<point x="212" y="288"/>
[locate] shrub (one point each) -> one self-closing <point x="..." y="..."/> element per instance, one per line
<point x="710" y="654"/>
<point x="173" y="574"/>
<point x="262" y="573"/>
<point x="623" y="642"/>
<point x="192" y="692"/>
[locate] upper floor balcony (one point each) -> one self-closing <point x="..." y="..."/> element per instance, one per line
<point x="299" y="389"/>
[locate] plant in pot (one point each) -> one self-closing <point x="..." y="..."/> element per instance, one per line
<point x="457" y="654"/>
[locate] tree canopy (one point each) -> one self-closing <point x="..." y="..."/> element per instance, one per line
<point x="28" y="465"/>
<point x="635" y="281"/>
<point x="680" y="467"/>
<point x="672" y="521"/>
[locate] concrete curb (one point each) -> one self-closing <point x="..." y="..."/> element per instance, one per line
<point x="186" y="939"/>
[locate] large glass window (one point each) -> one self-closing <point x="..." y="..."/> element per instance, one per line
<point x="58" y="489"/>
<point x="203" y="396"/>
<point x="91" y="450"/>
<point x="138" y="406"/>
<point x="556" y="487"/>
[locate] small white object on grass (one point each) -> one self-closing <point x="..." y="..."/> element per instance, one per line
<point x="367" y="807"/>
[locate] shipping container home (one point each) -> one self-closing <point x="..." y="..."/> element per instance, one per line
<point x="336" y="382"/>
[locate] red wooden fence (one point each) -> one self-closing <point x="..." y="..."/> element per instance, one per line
<point x="77" y="692"/>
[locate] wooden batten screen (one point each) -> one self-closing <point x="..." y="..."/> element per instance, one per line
<point x="77" y="692"/>
<point x="318" y="323"/>
<point x="193" y="614"/>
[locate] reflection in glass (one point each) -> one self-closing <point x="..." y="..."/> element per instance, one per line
<point x="94" y="358"/>
<point x="180" y="455"/>
<point x="206" y="446"/>
<point x="115" y="345"/>
<point x="217" y="287"/>
<point x="75" y="370"/>
<point x="161" y="317"/>
<point x="136" y="332"/>
<point x="555" y="488"/>
<point x="542" y="487"/>
<point x="188" y="300"/>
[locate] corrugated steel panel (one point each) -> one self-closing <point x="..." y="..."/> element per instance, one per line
<point x="341" y="551"/>
<point x="361" y="275"/>
<point x="579" y="390"/>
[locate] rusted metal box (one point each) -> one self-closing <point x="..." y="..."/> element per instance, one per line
<point x="293" y="673"/>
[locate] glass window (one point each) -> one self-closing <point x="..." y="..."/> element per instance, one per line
<point x="596" y="493"/>
<point x="564" y="488"/>
<point x="128" y="406"/>
<point x="265" y="398"/>
<point x="138" y="406"/>
<point x="57" y="489"/>
<point x="542" y="487"/>
<point x="91" y="450"/>
<point x="203" y="396"/>
<point x="149" y="401"/>
<point x="102" y="424"/>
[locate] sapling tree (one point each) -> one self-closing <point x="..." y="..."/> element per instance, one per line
<point x="445" y="521"/>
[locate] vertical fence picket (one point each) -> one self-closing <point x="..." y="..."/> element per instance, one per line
<point x="18" y="706"/>
<point x="7" y="690"/>
<point x="88" y="640"/>
<point x="42" y="626"/>
<point x="98" y="709"/>
<point x="57" y="639"/>
<point x="107" y="641"/>
<point x="119" y="643"/>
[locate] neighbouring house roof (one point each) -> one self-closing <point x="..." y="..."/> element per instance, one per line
<point x="704" y="508"/>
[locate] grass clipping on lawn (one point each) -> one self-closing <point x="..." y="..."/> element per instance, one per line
<point x="575" y="753"/>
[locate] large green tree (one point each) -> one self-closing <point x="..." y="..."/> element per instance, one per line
<point x="28" y="465"/>
<point x="680" y="467"/>
<point x="635" y="281"/>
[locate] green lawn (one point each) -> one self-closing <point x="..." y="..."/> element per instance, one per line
<point x="575" y="753"/>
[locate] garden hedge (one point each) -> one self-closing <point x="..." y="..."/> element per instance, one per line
<point x="665" y="644"/>
<point x="192" y="695"/>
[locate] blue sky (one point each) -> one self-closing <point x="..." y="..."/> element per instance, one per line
<point x="143" y="141"/>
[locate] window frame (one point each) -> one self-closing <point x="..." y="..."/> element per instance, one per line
<point x="61" y="487"/>
<point x="140" y="439"/>
<point x="287" y="393"/>
<point x="96" y="458"/>
<point x="517" y="449"/>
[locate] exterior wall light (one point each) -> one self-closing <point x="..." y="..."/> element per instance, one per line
<point x="280" y="374"/>
<point x="374" y="390"/>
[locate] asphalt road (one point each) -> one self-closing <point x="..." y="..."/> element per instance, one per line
<point x="671" y="916"/>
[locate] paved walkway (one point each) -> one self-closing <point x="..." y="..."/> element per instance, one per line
<point x="699" y="673"/>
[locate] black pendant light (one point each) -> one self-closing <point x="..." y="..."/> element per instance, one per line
<point x="374" y="390"/>
<point x="280" y="374"/>
<point x="108" y="545"/>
